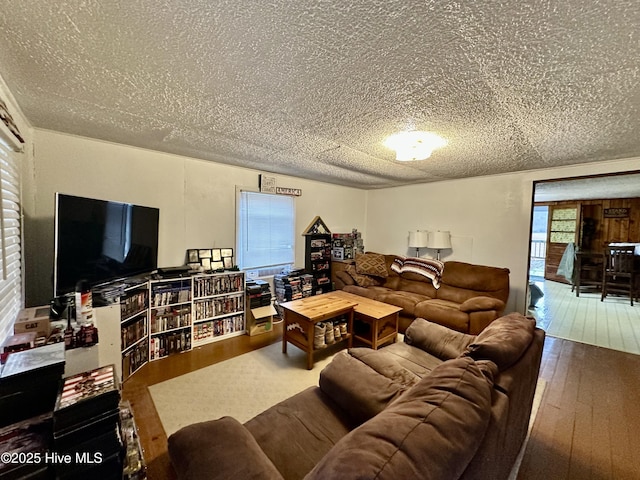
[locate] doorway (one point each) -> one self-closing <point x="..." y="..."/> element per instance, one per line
<point x="538" y="242"/>
<point x="567" y="204"/>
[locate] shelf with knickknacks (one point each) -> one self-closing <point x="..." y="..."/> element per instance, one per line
<point x="318" y="255"/>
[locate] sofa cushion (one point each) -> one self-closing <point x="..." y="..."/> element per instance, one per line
<point x="296" y="433"/>
<point x="362" y="280"/>
<point x="504" y="340"/>
<point x="406" y="439"/>
<point x="386" y="364"/>
<point x="413" y="359"/>
<point x="465" y="280"/>
<point x="222" y="446"/>
<point x="436" y="339"/>
<point x="405" y="300"/>
<point x="369" y="292"/>
<point x="360" y="390"/>
<point x="371" y="264"/>
<point x="444" y="312"/>
<point x="419" y="285"/>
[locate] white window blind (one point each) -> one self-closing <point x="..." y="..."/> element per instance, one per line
<point x="265" y="232"/>
<point x="10" y="244"/>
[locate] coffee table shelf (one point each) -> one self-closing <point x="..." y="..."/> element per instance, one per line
<point x="375" y="323"/>
<point x="306" y="313"/>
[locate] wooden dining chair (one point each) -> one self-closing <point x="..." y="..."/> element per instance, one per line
<point x="619" y="274"/>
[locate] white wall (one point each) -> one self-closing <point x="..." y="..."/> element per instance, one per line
<point x="196" y="199"/>
<point x="489" y="218"/>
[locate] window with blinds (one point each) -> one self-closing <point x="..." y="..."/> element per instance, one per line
<point x="10" y="243"/>
<point x="265" y="231"/>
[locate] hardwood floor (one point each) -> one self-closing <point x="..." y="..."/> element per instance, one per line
<point x="588" y="423"/>
<point x="612" y="323"/>
<point x="587" y="426"/>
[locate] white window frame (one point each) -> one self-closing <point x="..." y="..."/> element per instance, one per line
<point x="265" y="268"/>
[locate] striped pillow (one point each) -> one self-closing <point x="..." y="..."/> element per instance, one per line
<point x="427" y="267"/>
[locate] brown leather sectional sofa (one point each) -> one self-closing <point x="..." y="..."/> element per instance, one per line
<point x="440" y="405"/>
<point x="468" y="299"/>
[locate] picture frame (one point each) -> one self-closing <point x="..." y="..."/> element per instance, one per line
<point x="192" y="256"/>
<point x="211" y="258"/>
<point x="217" y="265"/>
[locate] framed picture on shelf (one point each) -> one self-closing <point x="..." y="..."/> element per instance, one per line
<point x="204" y="253"/>
<point x="226" y="252"/>
<point x="217" y="265"/>
<point x="216" y="256"/>
<point x="206" y="263"/>
<point x="192" y="256"/>
<point x="228" y="262"/>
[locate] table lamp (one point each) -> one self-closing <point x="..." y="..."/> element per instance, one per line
<point x="439" y="241"/>
<point x="418" y="240"/>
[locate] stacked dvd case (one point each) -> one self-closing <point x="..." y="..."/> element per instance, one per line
<point x="292" y="285"/>
<point x="345" y="246"/>
<point x="29" y="382"/>
<point x="23" y="446"/>
<point x="86" y="425"/>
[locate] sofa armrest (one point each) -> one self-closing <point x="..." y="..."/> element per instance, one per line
<point x="221" y="449"/>
<point x="476" y="304"/>
<point x="437" y="340"/>
<point x="343" y="279"/>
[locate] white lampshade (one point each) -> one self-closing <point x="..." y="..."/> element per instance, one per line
<point x="418" y="239"/>
<point x="439" y="240"/>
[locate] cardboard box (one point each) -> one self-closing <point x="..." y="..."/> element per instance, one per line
<point x="34" y="319"/>
<point x="260" y="320"/>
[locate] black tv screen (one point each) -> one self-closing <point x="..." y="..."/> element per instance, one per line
<point x="99" y="241"/>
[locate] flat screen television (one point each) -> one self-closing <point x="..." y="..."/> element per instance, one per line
<point x="100" y="241"/>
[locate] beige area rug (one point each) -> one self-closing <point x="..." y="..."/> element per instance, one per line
<point x="241" y="387"/>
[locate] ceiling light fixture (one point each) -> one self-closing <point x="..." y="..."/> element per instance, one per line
<point x="414" y="145"/>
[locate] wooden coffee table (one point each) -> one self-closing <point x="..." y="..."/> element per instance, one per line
<point x="381" y="318"/>
<point x="300" y="317"/>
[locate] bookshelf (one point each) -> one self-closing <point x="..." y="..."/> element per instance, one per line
<point x="170" y="317"/>
<point x="218" y="306"/>
<point x="159" y="318"/>
<point x="134" y="328"/>
<point x="318" y="260"/>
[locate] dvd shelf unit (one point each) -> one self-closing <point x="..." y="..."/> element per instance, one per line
<point x="162" y="317"/>
<point x="318" y="260"/>
<point x="170" y="317"/>
<point x="218" y="306"/>
<point x="134" y="328"/>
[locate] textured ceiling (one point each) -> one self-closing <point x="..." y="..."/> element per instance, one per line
<point x="311" y="88"/>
